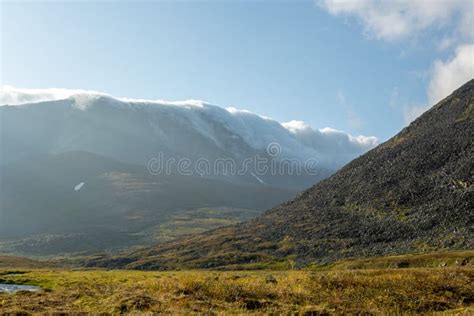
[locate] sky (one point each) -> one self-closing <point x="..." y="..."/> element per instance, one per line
<point x="365" y="67"/>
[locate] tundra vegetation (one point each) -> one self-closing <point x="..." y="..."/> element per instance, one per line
<point x="417" y="284"/>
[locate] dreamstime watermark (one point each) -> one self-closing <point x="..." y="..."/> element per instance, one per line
<point x="268" y="164"/>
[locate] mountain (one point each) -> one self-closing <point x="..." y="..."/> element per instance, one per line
<point x="139" y="131"/>
<point x="87" y="172"/>
<point x="411" y="194"/>
<point x="79" y="201"/>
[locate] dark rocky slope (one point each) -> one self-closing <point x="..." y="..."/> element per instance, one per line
<point x="412" y="194"/>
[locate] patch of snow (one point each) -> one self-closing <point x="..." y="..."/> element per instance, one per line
<point x="78" y="186"/>
<point x="258" y="178"/>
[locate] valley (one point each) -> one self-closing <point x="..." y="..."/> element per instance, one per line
<point x="101" y="239"/>
<point x="389" y="233"/>
<point x="441" y="283"/>
<point x="119" y="205"/>
<point x="306" y="158"/>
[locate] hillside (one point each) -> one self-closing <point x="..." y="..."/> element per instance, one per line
<point x="411" y="194"/>
<point x="84" y="202"/>
<point x="84" y="172"/>
<point x="20" y="262"/>
<point x="136" y="131"/>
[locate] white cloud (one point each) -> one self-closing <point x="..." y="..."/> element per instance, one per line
<point x="330" y="145"/>
<point x="295" y="126"/>
<point x="450" y="75"/>
<point x="403" y="19"/>
<point x="14" y="96"/>
<point x="218" y="125"/>
<point x="466" y="25"/>
<point x="301" y="128"/>
<point x="369" y="141"/>
<point x="398" y="19"/>
<point x="447" y="77"/>
<point x="10" y="95"/>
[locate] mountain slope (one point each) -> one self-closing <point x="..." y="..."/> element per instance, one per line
<point x="130" y="155"/>
<point x="136" y="131"/>
<point x="79" y="201"/>
<point x="414" y="193"/>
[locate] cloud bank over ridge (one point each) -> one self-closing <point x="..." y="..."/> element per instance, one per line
<point x="168" y="121"/>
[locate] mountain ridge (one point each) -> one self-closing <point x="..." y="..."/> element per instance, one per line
<point x="413" y="193"/>
<point x="82" y="163"/>
<point x="136" y="131"/>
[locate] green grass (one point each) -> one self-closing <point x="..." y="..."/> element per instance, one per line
<point x="200" y="220"/>
<point x="12" y="261"/>
<point x="373" y="286"/>
<point x="425" y="260"/>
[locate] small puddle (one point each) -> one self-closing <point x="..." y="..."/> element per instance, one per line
<point x="12" y="288"/>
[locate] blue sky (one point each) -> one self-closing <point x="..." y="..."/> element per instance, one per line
<point x="305" y="60"/>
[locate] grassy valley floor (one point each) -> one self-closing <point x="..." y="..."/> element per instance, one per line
<point x="353" y="286"/>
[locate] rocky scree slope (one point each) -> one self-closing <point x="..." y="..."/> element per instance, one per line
<point x="411" y="194"/>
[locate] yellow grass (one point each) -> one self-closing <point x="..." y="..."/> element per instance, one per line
<point x="413" y="290"/>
